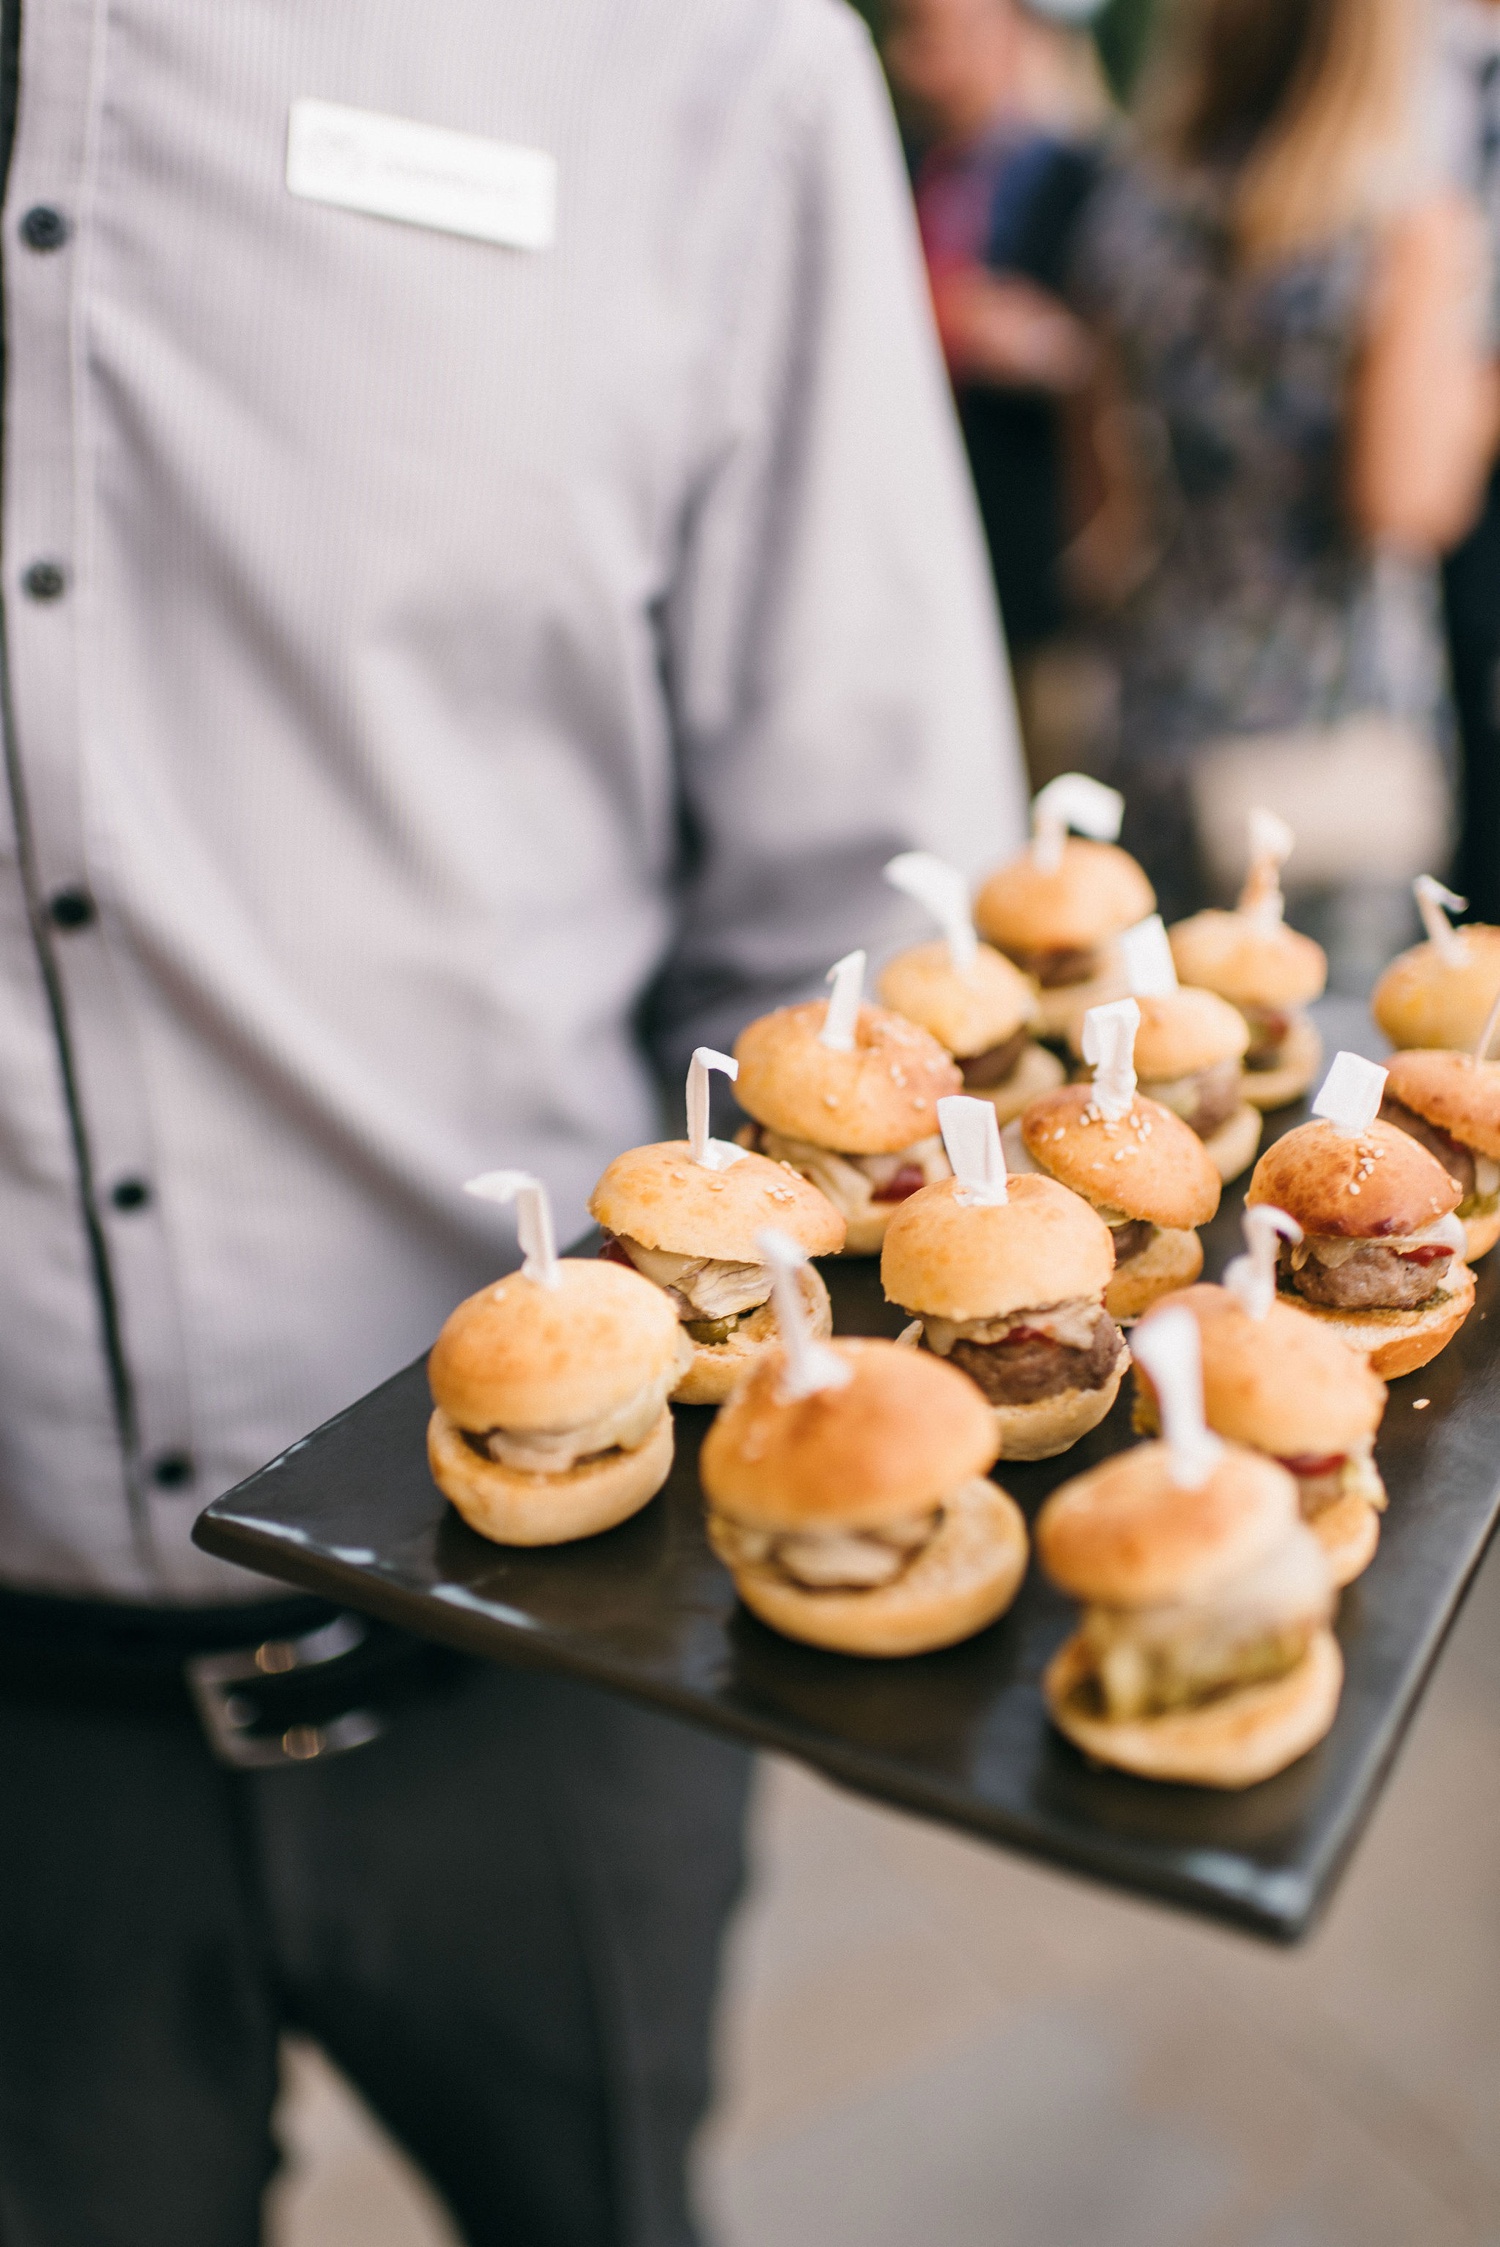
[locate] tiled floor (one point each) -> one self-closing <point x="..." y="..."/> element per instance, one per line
<point x="926" y="2041"/>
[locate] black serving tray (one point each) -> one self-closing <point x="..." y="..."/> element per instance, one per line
<point x="351" y="1514"/>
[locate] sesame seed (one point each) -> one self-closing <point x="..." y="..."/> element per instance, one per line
<point x="1352" y="1187"/>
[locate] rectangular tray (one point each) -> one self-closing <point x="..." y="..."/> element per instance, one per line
<point x="351" y="1514"/>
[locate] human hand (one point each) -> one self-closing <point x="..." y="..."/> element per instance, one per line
<point x="1001" y="329"/>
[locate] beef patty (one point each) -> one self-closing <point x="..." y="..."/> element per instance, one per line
<point x="994" y="1065"/>
<point x="1027" y="1366"/>
<point x="1372" y="1279"/>
<point x="1131" y="1239"/>
<point x="1455" y="1158"/>
<point x="1055" y="969"/>
<point x="1218" y="1097"/>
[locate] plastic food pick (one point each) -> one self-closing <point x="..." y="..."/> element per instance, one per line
<point x="1271" y="845"/>
<point x="533" y="1219"/>
<point x="1431" y="898"/>
<point x="1109" y="1044"/>
<point x="1072" y="800"/>
<point x="713" y="1154"/>
<point x="1251" y="1278"/>
<point x="809" y="1366"/>
<point x="1352" y="1092"/>
<point x="971" y="1136"/>
<point x="848" y="979"/>
<point x="1167" y="1347"/>
<point x="1487" y="1034"/>
<point x="942" y="889"/>
<point x="1149" y="969"/>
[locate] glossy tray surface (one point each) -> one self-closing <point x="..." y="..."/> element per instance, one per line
<point x="351" y="1514"/>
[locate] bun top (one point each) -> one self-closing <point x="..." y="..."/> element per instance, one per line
<point x="1182" y="1032"/>
<point x="1094" y="892"/>
<point x="1370" y="1187"/>
<point x="522" y="1356"/>
<point x="1282" y="1384"/>
<point x="1422" y="1000"/>
<point x="906" y="1429"/>
<point x="663" y="1199"/>
<point x="1452" y="1090"/>
<point x="1250" y="962"/>
<point x="1043" y="1245"/>
<point x="966" y="1013"/>
<point x="873" y="1101"/>
<point x="1127" y="1535"/>
<point x="1149" y="1165"/>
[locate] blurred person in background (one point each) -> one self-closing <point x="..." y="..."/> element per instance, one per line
<point x="1291" y="421"/>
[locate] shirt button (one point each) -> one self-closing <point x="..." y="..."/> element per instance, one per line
<point x="45" y="581"/>
<point x="130" y="1193"/>
<point x="71" y="908"/>
<point x="43" y="228"/>
<point x="172" y="1470"/>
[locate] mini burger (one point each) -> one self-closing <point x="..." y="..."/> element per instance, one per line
<point x="1381" y="1258"/>
<point x="1058" y="908"/>
<point x="1440" y="993"/>
<point x="1204" y="1653"/>
<point x="1008" y="1277"/>
<point x="1450" y="1103"/>
<point x="550" y="1417"/>
<point x="847" y="1095"/>
<point x="1140" y="1167"/>
<point x="969" y="996"/>
<point x="848" y="1497"/>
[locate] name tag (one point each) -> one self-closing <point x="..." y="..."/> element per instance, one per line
<point x="422" y="175"/>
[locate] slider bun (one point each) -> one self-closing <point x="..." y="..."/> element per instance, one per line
<point x="1233" y="1741"/>
<point x="1126" y="1535"/>
<point x="1043" y="1245"/>
<point x="663" y="1199"/>
<point x="1054" y="1424"/>
<point x="1165" y="1175"/>
<point x="1231" y="1149"/>
<point x="1482" y="1234"/>
<point x="905" y="1429"/>
<point x="718" y="1368"/>
<point x="512" y="1508"/>
<point x="1344" y="1187"/>
<point x="966" y="1013"/>
<point x="962" y="1580"/>
<point x="1280" y="1384"/>
<point x="1421" y="1000"/>
<point x="1182" y="1032"/>
<point x="1251" y="962"/>
<point x="522" y="1356"/>
<point x="873" y="1101"/>
<point x="1173" y="1259"/>
<point x="1060" y="1010"/>
<point x="1452" y="1090"/>
<point x="1348" y="1533"/>
<point x="1036" y="1072"/>
<point x="1300" y="1065"/>
<point x="1397" y="1342"/>
<point x="1096" y="890"/>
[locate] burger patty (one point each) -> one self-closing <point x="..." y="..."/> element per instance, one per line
<point x="981" y="1070"/>
<point x="1456" y="1159"/>
<point x="1028" y="1366"/>
<point x="1132" y="1239"/>
<point x="1061" y="966"/>
<point x="1218" y="1097"/>
<point x="1269" y="1031"/>
<point x="1372" y="1279"/>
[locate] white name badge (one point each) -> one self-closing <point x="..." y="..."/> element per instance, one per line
<point x="422" y="175"/>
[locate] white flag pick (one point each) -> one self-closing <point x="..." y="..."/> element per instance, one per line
<point x="713" y="1154"/>
<point x="848" y="979"/>
<point x="1351" y="1093"/>
<point x="1109" y="1045"/>
<point x="971" y="1137"/>
<point x="1251" y="1278"/>
<point x="1166" y="1345"/>
<point x="809" y="1366"/>
<point x="1072" y="800"/>
<point x="1431" y="898"/>
<point x="533" y="1219"/>
<point x="941" y="888"/>
<point x="1150" y="972"/>
<point x="1271" y="845"/>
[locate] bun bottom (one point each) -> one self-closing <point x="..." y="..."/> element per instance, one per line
<point x="1232" y="1148"/>
<point x="1174" y="1259"/>
<point x="866" y="1235"/>
<point x="1348" y="1533"/>
<point x="1232" y="1742"/>
<point x="1397" y="1342"/>
<point x="1483" y="1232"/>
<point x="719" y="1367"/>
<point x="966" y="1577"/>
<point x="1054" y="1424"/>
<point x="517" y="1509"/>
<point x="1036" y="1072"/>
<point x="1301" y="1059"/>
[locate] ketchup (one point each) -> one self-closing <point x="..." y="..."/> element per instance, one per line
<point x="1309" y="1467"/>
<point x="1428" y="1253"/>
<point x="612" y="1253"/>
<point x="901" y="1183"/>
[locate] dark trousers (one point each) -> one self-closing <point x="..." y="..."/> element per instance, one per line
<point x="502" y="1920"/>
<point x="1471" y="599"/>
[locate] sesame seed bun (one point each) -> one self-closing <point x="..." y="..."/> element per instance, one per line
<point x="719" y="1367"/>
<point x="1147" y="1165"/>
<point x="1397" y="1342"/>
<point x="948" y="1260"/>
<point x="1452" y="1090"/>
<point x="522" y="1356"/>
<point x="1036" y="1072"/>
<point x="1374" y="1185"/>
<point x="1300" y="1065"/>
<point x="1095" y="891"/>
<point x="1232" y="1148"/>
<point x="1250" y="962"/>
<point x="966" y="1013"/>
<point x="873" y="1101"/>
<point x="1172" y="1260"/>
<point x="1182" y="1032"/>
<point x="511" y="1508"/>
<point x="904" y="1430"/>
<point x="1126" y="1535"/>
<point x="660" y="1197"/>
<point x="1281" y="1384"/>
<point x="1052" y="1425"/>
<point x="1423" y="1000"/>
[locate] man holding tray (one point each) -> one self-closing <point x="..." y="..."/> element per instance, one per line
<point x="488" y="584"/>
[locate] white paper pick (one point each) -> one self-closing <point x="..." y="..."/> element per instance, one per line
<point x="713" y="1154"/>
<point x="809" y="1366"/>
<point x="533" y="1219"/>
<point x="945" y="894"/>
<point x="971" y="1137"/>
<point x="1487" y="1034"/>
<point x="1167" y="1346"/>
<point x="1431" y="898"/>
<point x="1271" y="845"/>
<point x="1109" y="1044"/>
<point x="1352" y="1092"/>
<point x="848" y="979"/>
<point x="1149" y="968"/>
<point x="1251" y="1278"/>
<point x="1072" y="800"/>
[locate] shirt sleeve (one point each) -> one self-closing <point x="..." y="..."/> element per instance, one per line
<point x="831" y="643"/>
